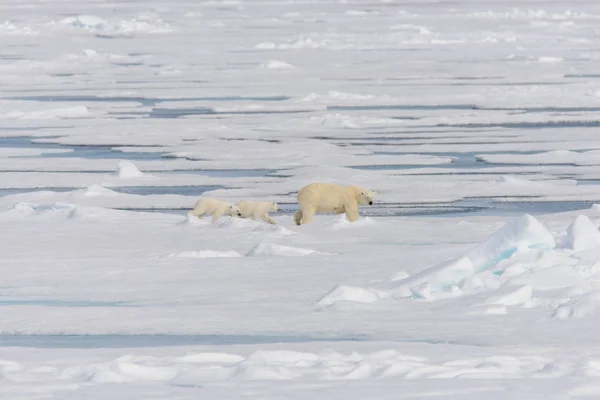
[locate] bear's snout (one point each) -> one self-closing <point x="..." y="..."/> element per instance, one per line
<point x="370" y="203"/>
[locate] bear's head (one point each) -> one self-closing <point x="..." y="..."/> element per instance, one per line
<point x="274" y="207"/>
<point x="366" y="196"/>
<point x="234" y="211"/>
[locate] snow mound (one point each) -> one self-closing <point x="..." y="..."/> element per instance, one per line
<point x="205" y="254"/>
<point x="60" y="211"/>
<point x="91" y="213"/>
<point x="32" y="209"/>
<point x="582" y="234"/>
<point x="440" y="277"/>
<point x="98" y="190"/>
<point x="342" y="222"/>
<point x="517" y="266"/>
<point x="124" y="28"/>
<point x="128" y="170"/>
<point x="54" y="113"/>
<point x="274" y="229"/>
<point x="547" y="59"/>
<point x="287" y="365"/>
<point x="120" y="371"/>
<point x="89" y="22"/>
<point x="8" y="28"/>
<point x="271" y="249"/>
<point x="235" y="222"/>
<point x="519" y="182"/>
<point x="509" y="295"/>
<point x="554" y="278"/>
<point x="580" y="307"/>
<point x="257" y="227"/>
<point x="517" y="235"/>
<point x="349" y="293"/>
<point x="274" y="64"/>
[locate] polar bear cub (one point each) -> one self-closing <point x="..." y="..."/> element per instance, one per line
<point x="258" y="209"/>
<point x="218" y="208"/>
<point x="331" y="198"/>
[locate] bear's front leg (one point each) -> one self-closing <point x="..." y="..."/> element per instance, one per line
<point x="267" y="218"/>
<point x="351" y="212"/>
<point x="216" y="216"/>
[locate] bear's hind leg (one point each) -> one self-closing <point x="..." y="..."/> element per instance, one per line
<point x="307" y="214"/>
<point x="298" y="217"/>
<point x="198" y="212"/>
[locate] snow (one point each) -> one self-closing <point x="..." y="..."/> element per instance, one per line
<point x="557" y="277"/>
<point x="474" y="275"/>
<point x="123" y="28"/>
<point x="270" y="249"/>
<point x="205" y="254"/>
<point x="128" y="170"/>
<point x="521" y="234"/>
<point x="349" y="293"/>
<point x="274" y="64"/>
<point x="582" y="234"/>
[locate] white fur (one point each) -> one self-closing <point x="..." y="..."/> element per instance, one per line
<point x="331" y="198"/>
<point x="258" y="209"/>
<point x="218" y="208"/>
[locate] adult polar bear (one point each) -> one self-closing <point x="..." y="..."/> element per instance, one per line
<point x="329" y="197"/>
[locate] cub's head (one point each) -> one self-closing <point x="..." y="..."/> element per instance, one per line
<point x="366" y="196"/>
<point x="274" y="207"/>
<point x="234" y="211"/>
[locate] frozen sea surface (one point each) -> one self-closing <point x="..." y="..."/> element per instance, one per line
<point x="144" y="340"/>
<point x="474" y="275"/>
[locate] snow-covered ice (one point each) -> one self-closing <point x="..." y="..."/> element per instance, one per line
<point x="475" y="274"/>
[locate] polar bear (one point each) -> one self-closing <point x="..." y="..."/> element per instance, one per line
<point x="258" y="209"/>
<point x="218" y="208"/>
<point x="329" y="197"/>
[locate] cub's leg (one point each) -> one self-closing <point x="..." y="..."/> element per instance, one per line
<point x="216" y="215"/>
<point x="267" y="218"/>
<point x="199" y="211"/>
